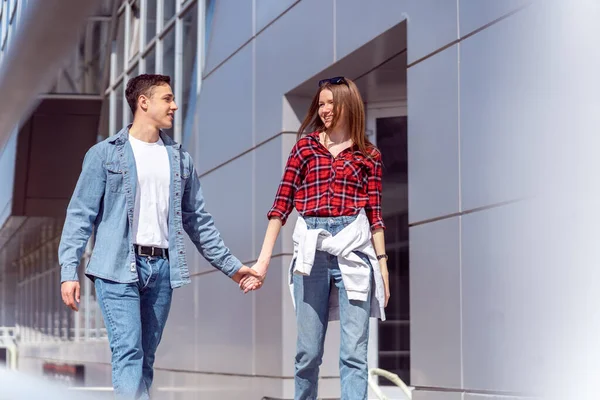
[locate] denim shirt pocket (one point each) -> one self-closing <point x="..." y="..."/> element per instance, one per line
<point x="184" y="176"/>
<point x="114" y="177"/>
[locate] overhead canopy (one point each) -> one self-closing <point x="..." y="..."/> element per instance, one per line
<point x="46" y="33"/>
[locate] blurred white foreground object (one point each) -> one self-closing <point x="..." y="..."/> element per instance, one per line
<point x="18" y="386"/>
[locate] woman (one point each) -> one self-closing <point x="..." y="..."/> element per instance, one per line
<point x="339" y="269"/>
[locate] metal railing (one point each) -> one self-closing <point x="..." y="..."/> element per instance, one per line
<point x="8" y="332"/>
<point x="8" y="335"/>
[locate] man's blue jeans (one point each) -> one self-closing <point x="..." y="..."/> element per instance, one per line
<point x="311" y="295"/>
<point x="135" y="315"/>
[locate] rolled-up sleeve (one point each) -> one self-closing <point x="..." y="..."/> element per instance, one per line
<point x="284" y="199"/>
<point x="374" y="188"/>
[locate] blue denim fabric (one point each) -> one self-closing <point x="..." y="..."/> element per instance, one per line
<point x="104" y="199"/>
<point x="135" y="315"/>
<point x="311" y="295"/>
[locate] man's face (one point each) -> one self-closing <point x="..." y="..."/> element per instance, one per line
<point x="161" y="106"/>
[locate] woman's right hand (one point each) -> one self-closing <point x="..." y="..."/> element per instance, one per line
<point x="249" y="282"/>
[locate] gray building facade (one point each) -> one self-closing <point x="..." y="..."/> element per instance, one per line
<point x="443" y="87"/>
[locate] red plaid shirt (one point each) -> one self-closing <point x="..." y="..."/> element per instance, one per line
<point x="319" y="185"/>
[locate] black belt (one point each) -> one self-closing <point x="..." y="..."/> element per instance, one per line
<point x="150" y="251"/>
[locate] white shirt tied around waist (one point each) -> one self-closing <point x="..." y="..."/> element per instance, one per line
<point x="356" y="273"/>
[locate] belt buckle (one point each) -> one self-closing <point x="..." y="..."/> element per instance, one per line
<point x="152" y="250"/>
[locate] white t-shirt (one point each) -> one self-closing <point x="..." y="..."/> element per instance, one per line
<point x="151" y="211"/>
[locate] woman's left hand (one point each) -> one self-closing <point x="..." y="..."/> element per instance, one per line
<point x="386" y="280"/>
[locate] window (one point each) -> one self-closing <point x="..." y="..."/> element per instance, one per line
<point x="119" y="47"/>
<point x="150" y="20"/>
<point x="387" y="129"/>
<point x="168" y="10"/>
<point x="134" y="30"/>
<point x="38" y="308"/>
<point x="190" y="45"/>
<point x="135" y="71"/>
<point x="169" y="56"/>
<point x="150" y="60"/>
<point x="119" y="98"/>
<point x="394" y="334"/>
<point x="210" y="11"/>
<point x="168" y="67"/>
<point x="168" y="46"/>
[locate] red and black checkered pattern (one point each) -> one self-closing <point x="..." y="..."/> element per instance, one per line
<point x="319" y="185"/>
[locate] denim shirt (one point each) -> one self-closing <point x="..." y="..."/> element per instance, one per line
<point x="103" y="201"/>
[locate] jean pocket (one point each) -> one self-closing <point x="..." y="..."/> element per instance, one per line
<point x="144" y="272"/>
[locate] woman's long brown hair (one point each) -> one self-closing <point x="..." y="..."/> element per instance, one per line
<point x="347" y="98"/>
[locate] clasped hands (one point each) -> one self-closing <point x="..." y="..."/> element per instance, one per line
<point x="249" y="279"/>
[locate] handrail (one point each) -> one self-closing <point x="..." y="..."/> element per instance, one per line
<point x="394" y="378"/>
<point x="8" y="331"/>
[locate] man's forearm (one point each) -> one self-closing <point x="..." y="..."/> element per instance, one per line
<point x="211" y="246"/>
<point x="76" y="233"/>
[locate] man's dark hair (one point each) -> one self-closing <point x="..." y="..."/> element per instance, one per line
<point x="142" y="85"/>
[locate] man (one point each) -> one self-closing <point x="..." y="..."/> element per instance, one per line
<point x="139" y="191"/>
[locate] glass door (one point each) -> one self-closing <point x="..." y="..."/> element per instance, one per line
<point x="389" y="347"/>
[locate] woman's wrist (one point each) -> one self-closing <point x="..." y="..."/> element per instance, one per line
<point x="383" y="265"/>
<point x="263" y="261"/>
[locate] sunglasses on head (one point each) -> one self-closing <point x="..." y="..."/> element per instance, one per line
<point x="338" y="80"/>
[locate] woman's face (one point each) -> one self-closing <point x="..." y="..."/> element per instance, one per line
<point x="326" y="107"/>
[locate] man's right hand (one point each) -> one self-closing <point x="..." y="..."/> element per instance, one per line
<point x="70" y="294"/>
<point x="246" y="272"/>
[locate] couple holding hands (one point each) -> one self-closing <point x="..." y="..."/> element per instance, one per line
<point x="139" y="190"/>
